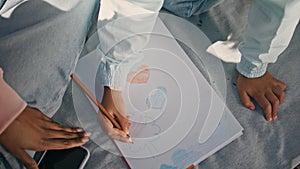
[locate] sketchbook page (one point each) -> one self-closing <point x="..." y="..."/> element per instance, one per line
<point x="169" y="110"/>
<point x="183" y="154"/>
<point x="190" y="151"/>
<point x="166" y="106"/>
<point x="212" y="116"/>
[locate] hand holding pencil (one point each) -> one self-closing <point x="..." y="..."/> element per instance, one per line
<point x="114" y="105"/>
<point x="112" y="119"/>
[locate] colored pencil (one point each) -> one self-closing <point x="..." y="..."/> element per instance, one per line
<point x="99" y="105"/>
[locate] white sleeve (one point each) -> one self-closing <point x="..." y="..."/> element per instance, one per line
<point x="271" y="24"/>
<point x="123" y="31"/>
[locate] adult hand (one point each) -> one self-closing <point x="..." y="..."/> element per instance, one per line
<point x="266" y="90"/>
<point x="114" y="104"/>
<point x="32" y="130"/>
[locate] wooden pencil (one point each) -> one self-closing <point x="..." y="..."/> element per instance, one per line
<point x="95" y="100"/>
<point x="100" y="106"/>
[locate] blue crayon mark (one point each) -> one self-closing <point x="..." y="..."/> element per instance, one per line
<point x="157" y="98"/>
<point x="165" y="166"/>
<point x="183" y="158"/>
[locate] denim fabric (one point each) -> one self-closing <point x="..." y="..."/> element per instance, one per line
<point x="119" y="20"/>
<point x="8" y="4"/>
<point x="271" y="25"/>
<point x="40" y="43"/>
<point x="187" y="8"/>
<point x="2" y="3"/>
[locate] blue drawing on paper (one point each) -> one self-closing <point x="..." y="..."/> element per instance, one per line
<point x="157" y="98"/>
<point x="183" y="158"/>
<point x="165" y="166"/>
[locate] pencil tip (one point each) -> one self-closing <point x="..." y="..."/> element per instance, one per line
<point x="129" y="138"/>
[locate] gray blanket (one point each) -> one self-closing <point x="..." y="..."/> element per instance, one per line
<point x="263" y="144"/>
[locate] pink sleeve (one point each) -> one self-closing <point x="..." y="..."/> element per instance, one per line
<point x="11" y="104"/>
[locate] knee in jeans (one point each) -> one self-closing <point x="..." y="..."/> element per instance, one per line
<point x="187" y="8"/>
<point x="180" y="7"/>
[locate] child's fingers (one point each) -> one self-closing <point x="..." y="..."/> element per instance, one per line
<point x="279" y="93"/>
<point x="123" y="122"/>
<point x="265" y="104"/>
<point x="246" y="101"/>
<point x="275" y="103"/>
<point x="109" y="128"/>
<point x="120" y="138"/>
<point x="129" y="125"/>
<point x="281" y="84"/>
<point x="116" y="133"/>
<point x="104" y="123"/>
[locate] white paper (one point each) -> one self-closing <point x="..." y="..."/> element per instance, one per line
<point x="168" y="112"/>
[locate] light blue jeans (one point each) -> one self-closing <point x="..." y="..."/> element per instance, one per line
<point x="40" y="43"/>
<point x="187" y="8"/>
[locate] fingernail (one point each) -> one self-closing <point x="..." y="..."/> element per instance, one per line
<point x="79" y="130"/>
<point x="87" y="134"/>
<point x="129" y="138"/>
<point x="85" y="140"/>
<point x="275" y="117"/>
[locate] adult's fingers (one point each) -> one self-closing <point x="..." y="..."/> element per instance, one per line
<point x="275" y="103"/>
<point x="52" y="125"/>
<point x="246" y="101"/>
<point x="28" y="162"/>
<point x="48" y="123"/>
<point x="65" y="135"/>
<point x="265" y="104"/>
<point x="57" y="144"/>
<point x="279" y="93"/>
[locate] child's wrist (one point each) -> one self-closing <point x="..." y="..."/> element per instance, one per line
<point x="111" y="88"/>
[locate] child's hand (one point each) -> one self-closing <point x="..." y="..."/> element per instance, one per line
<point x="266" y="90"/>
<point x="114" y="104"/>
